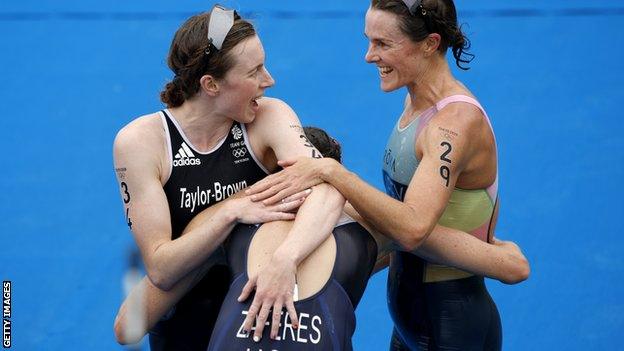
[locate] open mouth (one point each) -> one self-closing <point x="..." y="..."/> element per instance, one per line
<point x="254" y="101"/>
<point x="384" y="71"/>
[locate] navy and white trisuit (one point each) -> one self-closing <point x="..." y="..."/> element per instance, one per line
<point x="326" y="319"/>
<point x="199" y="180"/>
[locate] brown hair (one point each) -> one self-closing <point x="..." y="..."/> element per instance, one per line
<point x="189" y="60"/>
<point x="433" y="16"/>
<point x="327" y="145"/>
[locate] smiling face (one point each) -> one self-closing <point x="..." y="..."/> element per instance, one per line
<point x="399" y="59"/>
<point x="245" y="82"/>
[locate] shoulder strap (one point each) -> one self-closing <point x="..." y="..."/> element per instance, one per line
<point x="459" y="98"/>
<point x="168" y="126"/>
<point x="465" y="99"/>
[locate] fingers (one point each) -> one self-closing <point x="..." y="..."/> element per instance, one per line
<point x="247" y="289"/>
<point x="279" y="216"/>
<point x="281" y="194"/>
<point x="261" y="185"/>
<point x="251" y="315"/>
<point x="287" y="206"/>
<point x="274" y="189"/>
<point x="292" y="313"/>
<point x="277" y="316"/>
<point x="286" y="163"/>
<point x="261" y="320"/>
<point x="282" y="212"/>
<point x="300" y="195"/>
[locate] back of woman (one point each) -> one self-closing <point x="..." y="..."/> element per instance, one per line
<point x="330" y="283"/>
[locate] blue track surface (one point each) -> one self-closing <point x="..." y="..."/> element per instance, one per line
<point x="549" y="74"/>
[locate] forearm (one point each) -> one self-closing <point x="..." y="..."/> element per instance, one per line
<point x="315" y="221"/>
<point x="391" y="217"/>
<point x="175" y="259"/>
<point x="152" y="304"/>
<point x="458" y="249"/>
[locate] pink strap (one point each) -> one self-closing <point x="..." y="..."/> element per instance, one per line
<point x="492" y="189"/>
<point x="458" y="98"/>
<point x="462" y="98"/>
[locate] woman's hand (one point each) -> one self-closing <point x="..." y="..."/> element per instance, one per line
<point x="274" y="286"/>
<point x="297" y="175"/>
<point x="509" y="246"/>
<point x="519" y="268"/>
<point x="249" y="212"/>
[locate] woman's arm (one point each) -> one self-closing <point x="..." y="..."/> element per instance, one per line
<point x="407" y="222"/>
<point x="410" y="222"/>
<point x="279" y="128"/>
<point x="137" y="150"/>
<point x="503" y="261"/>
<point x="153" y="302"/>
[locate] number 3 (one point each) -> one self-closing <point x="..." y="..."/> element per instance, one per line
<point x="124" y="187"/>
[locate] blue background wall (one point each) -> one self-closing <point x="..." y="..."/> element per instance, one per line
<point x="549" y="73"/>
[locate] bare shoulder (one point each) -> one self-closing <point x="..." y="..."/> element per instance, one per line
<point x="460" y="118"/>
<point x="143" y="133"/>
<point x="457" y="126"/>
<point x="274" y="118"/>
<point x="273" y="109"/>
<point x="142" y="144"/>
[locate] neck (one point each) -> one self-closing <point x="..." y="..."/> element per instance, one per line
<point x="204" y="126"/>
<point x="435" y="83"/>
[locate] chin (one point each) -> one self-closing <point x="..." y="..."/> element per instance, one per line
<point x="248" y="118"/>
<point x="387" y="87"/>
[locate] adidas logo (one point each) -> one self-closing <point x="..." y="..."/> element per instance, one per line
<point x="185" y="157"/>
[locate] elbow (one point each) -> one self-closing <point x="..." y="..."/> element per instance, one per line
<point x="122" y="335"/>
<point x="415" y="237"/>
<point x="520" y="272"/>
<point x="416" y="230"/>
<point x="523" y="271"/>
<point x="157" y="274"/>
<point x="160" y="280"/>
<point x="118" y="328"/>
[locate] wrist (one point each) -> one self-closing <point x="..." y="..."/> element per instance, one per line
<point x="329" y="170"/>
<point x="285" y="256"/>
<point x="231" y="211"/>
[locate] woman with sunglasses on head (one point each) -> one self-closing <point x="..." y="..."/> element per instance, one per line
<point x="217" y="136"/>
<point x="439" y="167"/>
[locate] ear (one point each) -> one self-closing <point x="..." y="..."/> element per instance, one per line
<point x="432" y="43"/>
<point x="209" y="85"/>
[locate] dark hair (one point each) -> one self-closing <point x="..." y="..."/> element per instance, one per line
<point x="327" y="145"/>
<point x="433" y="16"/>
<point x="189" y="61"/>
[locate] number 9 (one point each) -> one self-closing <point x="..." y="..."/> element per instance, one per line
<point x="445" y="172"/>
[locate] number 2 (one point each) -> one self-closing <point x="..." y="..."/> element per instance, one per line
<point x="445" y="153"/>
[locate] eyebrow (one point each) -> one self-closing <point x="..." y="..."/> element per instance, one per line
<point x="386" y="40"/>
<point x="256" y="67"/>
